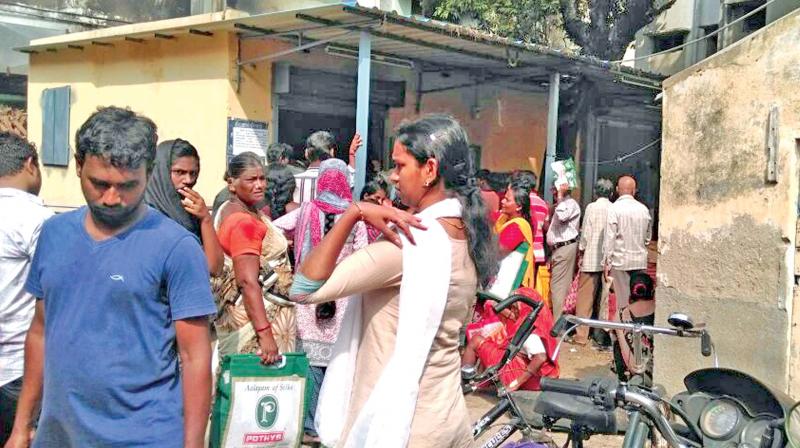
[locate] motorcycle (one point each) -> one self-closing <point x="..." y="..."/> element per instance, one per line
<point x="720" y="407"/>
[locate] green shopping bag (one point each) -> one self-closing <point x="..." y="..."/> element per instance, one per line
<point x="259" y="405"/>
<point x="565" y="173"/>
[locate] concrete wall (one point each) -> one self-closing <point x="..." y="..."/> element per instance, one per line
<point x="186" y="86"/>
<point x="727" y="236"/>
<point x="677" y="18"/>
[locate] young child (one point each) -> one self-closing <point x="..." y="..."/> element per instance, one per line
<point x="642" y="311"/>
<point x="488" y="339"/>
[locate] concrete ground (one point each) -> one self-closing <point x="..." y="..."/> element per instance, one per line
<point x="575" y="362"/>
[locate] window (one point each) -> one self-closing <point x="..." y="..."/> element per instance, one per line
<point x="752" y="23"/>
<point x="664" y="42"/>
<point x="55" y="126"/>
<point x="710" y="42"/>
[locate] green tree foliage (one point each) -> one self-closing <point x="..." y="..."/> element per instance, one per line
<point x="601" y="28"/>
<point x="527" y="20"/>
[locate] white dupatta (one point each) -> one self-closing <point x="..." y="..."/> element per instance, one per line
<point x="385" y="419"/>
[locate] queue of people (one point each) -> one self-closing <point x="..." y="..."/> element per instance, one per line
<point x="109" y="311"/>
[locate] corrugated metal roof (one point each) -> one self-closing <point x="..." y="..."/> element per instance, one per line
<point x="425" y="41"/>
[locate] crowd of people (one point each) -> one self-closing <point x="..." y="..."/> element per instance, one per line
<point x="119" y="310"/>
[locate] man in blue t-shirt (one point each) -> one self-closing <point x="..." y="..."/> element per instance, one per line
<point x="122" y="292"/>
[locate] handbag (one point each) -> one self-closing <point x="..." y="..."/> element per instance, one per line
<point x="260" y="405"/>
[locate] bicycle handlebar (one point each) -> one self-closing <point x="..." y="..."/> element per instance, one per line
<point x="570" y="387"/>
<point x="565" y="319"/>
<point x="519" y="338"/>
<point x="514" y="298"/>
<point x="609" y="392"/>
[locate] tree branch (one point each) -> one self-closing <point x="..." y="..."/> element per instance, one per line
<point x="576" y="28"/>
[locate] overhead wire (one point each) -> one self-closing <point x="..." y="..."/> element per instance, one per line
<point x="620" y="159"/>
<point x="694" y="41"/>
<point x="56" y="11"/>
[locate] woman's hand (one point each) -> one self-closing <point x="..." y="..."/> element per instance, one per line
<point x="194" y="204"/>
<point x="268" y="350"/>
<point x="381" y="217"/>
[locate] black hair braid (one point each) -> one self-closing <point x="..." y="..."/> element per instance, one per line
<point x="442" y="138"/>
<point x="330" y="220"/>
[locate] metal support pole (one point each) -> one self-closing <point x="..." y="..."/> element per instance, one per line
<point x="692" y="52"/>
<point x="552" y="129"/>
<point x="362" y="109"/>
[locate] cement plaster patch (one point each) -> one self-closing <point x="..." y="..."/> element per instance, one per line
<point x="748" y="336"/>
<point x="740" y="262"/>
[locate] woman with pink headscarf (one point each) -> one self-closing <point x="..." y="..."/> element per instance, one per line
<point x="318" y="325"/>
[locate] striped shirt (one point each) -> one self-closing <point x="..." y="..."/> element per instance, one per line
<point x="540" y="213"/>
<point x="306" y="184"/>
<point x="592" y="231"/>
<point x="565" y="222"/>
<point x="627" y="234"/>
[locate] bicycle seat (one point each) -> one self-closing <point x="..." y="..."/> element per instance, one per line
<point x="580" y="410"/>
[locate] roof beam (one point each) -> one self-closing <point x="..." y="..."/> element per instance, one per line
<point x="422" y="62"/>
<point x="404" y="39"/>
<point x="307" y="46"/>
<point x="200" y="32"/>
<point x="254" y="29"/>
<point x="311" y="28"/>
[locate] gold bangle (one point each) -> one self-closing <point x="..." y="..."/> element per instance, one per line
<point x="360" y="212"/>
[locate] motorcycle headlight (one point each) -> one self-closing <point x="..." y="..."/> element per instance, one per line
<point x="719" y="419"/>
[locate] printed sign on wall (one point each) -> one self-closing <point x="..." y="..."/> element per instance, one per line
<point x="247" y="135"/>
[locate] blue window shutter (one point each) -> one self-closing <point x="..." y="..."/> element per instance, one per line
<point x="47" y="126"/>
<point x="55" y="126"/>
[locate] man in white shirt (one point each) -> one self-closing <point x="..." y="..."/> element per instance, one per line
<point x="626" y="238"/>
<point x="590" y="246"/>
<point x="320" y="145"/>
<point x="562" y="237"/>
<point x="21" y="216"/>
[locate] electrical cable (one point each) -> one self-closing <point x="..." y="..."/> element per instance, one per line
<point x="685" y="44"/>
<point x="625" y="156"/>
<point x="55" y="11"/>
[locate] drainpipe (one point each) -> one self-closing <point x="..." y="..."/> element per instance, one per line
<point x="552" y="129"/>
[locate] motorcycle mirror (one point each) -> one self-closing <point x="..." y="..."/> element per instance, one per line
<point x="468" y="372"/>
<point x="792" y="426"/>
<point x="680" y="320"/>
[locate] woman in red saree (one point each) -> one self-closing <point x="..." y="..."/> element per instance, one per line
<point x="488" y="339"/>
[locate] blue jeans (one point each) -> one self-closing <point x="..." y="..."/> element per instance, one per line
<point x="315" y="377"/>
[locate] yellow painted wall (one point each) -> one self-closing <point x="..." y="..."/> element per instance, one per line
<point x="181" y="84"/>
<point x="253" y="99"/>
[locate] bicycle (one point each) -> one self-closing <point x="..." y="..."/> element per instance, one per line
<point x="590" y="405"/>
<point x="508" y="400"/>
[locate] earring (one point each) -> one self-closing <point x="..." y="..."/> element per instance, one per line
<point x="427" y="184"/>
